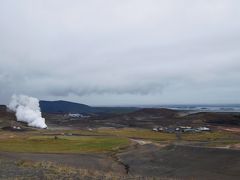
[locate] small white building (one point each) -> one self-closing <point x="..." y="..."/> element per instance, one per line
<point x="203" y="129"/>
<point x="75" y="115"/>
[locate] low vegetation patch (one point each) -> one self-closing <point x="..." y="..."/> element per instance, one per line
<point x="224" y="143"/>
<point x="209" y="136"/>
<point x="78" y="132"/>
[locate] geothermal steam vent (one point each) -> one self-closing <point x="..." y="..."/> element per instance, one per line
<point x="27" y="110"/>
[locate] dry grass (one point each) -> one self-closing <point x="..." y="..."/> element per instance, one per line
<point x="52" y="171"/>
<point x="209" y="136"/>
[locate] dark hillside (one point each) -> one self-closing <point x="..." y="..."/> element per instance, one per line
<point x="64" y="107"/>
<point x="147" y="118"/>
<point x="217" y="118"/>
<point x="153" y="112"/>
<point x="71" y="107"/>
<point x="8" y="118"/>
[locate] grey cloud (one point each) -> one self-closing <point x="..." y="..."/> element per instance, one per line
<point x="121" y="52"/>
<point x="135" y="89"/>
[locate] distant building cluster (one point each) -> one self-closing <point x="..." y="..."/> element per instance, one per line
<point x="77" y="115"/>
<point x="183" y="129"/>
<point x="13" y="128"/>
<point x="16" y="127"/>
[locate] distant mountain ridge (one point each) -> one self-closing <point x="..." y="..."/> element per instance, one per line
<point x="64" y="107"/>
<point x="72" y="107"/>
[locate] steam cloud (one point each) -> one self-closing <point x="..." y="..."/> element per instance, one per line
<point x="27" y="110"/>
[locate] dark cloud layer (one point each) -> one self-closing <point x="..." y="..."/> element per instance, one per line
<point x="121" y="52"/>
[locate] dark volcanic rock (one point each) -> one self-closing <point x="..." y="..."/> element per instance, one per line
<point x="183" y="162"/>
<point x="217" y="118"/>
<point x="153" y="112"/>
<point x="8" y="119"/>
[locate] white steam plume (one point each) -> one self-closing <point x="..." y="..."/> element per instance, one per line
<point x="27" y="110"/>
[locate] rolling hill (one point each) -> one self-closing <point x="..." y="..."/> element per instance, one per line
<point x="72" y="107"/>
<point x="64" y="107"/>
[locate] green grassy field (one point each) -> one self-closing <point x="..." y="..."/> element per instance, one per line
<point x="73" y="144"/>
<point x="99" y="140"/>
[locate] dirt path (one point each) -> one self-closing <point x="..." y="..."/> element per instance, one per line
<point x="230" y="129"/>
<point x="141" y="142"/>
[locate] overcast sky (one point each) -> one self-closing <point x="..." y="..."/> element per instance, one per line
<point x="121" y="52"/>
